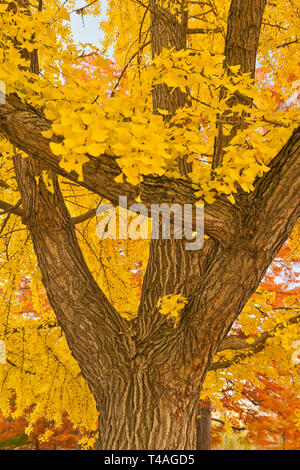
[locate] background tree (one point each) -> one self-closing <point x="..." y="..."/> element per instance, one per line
<point x="193" y="126"/>
<point x="44" y="436"/>
<point x="261" y="395"/>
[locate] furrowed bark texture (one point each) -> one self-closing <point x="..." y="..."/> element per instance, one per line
<point x="241" y="44"/>
<point x="146" y="376"/>
<point x="167" y="31"/>
<point x="81" y="308"/>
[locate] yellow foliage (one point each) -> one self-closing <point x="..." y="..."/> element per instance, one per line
<point x="171" y="305"/>
<point x="89" y="118"/>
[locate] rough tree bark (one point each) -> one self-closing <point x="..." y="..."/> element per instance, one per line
<point x="146" y="376"/>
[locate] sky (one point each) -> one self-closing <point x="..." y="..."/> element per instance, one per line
<point x="87" y="29"/>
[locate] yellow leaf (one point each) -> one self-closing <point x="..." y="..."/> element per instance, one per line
<point x="234" y="68"/>
<point x="95" y="149"/>
<point x="47" y="134"/>
<point x="87" y="119"/>
<point x="163" y="111"/>
<point x="57" y="149"/>
<point x="209" y="198"/>
<point x="119" y="178"/>
<point x="231" y="199"/>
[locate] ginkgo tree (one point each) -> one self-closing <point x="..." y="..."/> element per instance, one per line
<point x="182" y="120"/>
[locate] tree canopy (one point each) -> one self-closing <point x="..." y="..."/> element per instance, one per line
<point x="199" y="105"/>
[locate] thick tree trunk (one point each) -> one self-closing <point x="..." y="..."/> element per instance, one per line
<point x="147" y="380"/>
<point x="142" y="389"/>
<point x="141" y="415"/>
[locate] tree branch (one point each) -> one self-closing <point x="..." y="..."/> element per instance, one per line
<point x="203" y="30"/>
<point x="276" y="200"/>
<point x="22" y="126"/>
<point x="91" y="324"/>
<point x="14" y="209"/>
<point x="235" y="428"/>
<point x="241" y="44"/>
<point x="269" y="214"/>
<point x="258" y="344"/>
<point x="8" y="208"/>
<point x="83" y="217"/>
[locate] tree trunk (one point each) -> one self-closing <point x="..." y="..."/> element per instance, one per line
<point x="141" y="383"/>
<point x="140" y="415"/>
